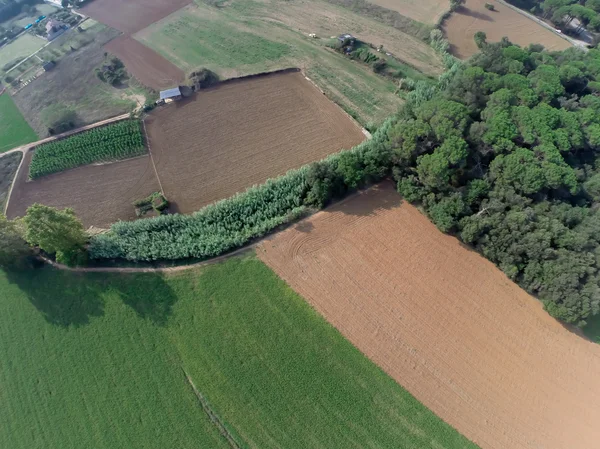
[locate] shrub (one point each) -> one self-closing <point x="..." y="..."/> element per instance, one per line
<point x="156" y="202"/>
<point x="490" y="7"/>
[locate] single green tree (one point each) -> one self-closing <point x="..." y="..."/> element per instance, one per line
<point x="14" y="251"/>
<point x="57" y="232"/>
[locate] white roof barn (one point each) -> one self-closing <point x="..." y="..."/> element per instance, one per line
<point x="170" y="94"/>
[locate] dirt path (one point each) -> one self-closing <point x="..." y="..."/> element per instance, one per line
<point x="212" y="261"/>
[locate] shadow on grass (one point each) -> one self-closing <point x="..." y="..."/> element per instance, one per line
<point x="148" y="294"/>
<point x="73" y="299"/>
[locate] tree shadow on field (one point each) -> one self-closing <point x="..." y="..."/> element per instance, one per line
<point x="148" y="294"/>
<point x="67" y="298"/>
<point x="592" y="329"/>
<point x="304" y="226"/>
<point x="369" y="202"/>
<point x="63" y="298"/>
<point x="475" y="14"/>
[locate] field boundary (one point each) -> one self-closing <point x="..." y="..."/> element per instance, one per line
<point x="13" y="182"/>
<point x="212" y="415"/>
<point x="152" y="158"/>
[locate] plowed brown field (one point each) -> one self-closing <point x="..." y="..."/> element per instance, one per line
<point x="147" y="66"/>
<point x="99" y="194"/>
<point x="473" y="17"/>
<point x="445" y="323"/>
<point x="130" y="16"/>
<point x="241" y="133"/>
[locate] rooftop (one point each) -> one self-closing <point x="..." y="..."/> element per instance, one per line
<point x="170" y="93"/>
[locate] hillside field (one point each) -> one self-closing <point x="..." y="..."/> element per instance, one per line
<point x="444" y="322"/>
<point x="14" y="130"/>
<point x="504" y="21"/>
<point x="243" y="38"/>
<point x="100" y="361"/>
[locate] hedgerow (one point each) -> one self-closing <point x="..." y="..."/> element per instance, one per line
<point x="112" y="142"/>
<point x="213" y="230"/>
<point x="233" y="222"/>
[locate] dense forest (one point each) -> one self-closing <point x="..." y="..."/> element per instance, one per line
<point x="506" y="157"/>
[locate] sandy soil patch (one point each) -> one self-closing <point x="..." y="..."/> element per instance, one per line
<point x="147" y="66"/>
<point x="241" y="133"/>
<point x="445" y="323"/>
<point x="473" y="17"/>
<point x="99" y="194"/>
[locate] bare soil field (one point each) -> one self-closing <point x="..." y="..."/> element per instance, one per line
<point x="427" y="11"/>
<point x="130" y="16"/>
<point x="99" y="194"/>
<point x="147" y="66"/>
<point x="240" y="133"/>
<point x="473" y="17"/>
<point x="444" y="322"/>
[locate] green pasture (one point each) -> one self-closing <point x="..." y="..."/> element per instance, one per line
<point x="14" y="130"/>
<point x="100" y="361"/>
<point x="23" y="46"/>
<point x="232" y="44"/>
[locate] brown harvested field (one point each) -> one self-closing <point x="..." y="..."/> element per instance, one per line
<point x="130" y="16"/>
<point x="473" y="17"/>
<point x="99" y="194"/>
<point x="241" y="133"/>
<point x="426" y="11"/>
<point x="147" y="66"/>
<point x="444" y="322"/>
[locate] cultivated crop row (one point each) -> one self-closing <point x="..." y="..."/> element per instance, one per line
<point x="113" y="142"/>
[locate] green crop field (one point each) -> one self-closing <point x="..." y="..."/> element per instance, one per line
<point x="120" y="140"/>
<point x="14" y="130"/>
<point x="99" y="361"/>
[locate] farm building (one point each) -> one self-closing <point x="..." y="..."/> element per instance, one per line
<point x="54" y="28"/>
<point x="169" y="95"/>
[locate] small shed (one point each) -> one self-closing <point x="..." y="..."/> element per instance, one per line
<point x="169" y="95"/>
